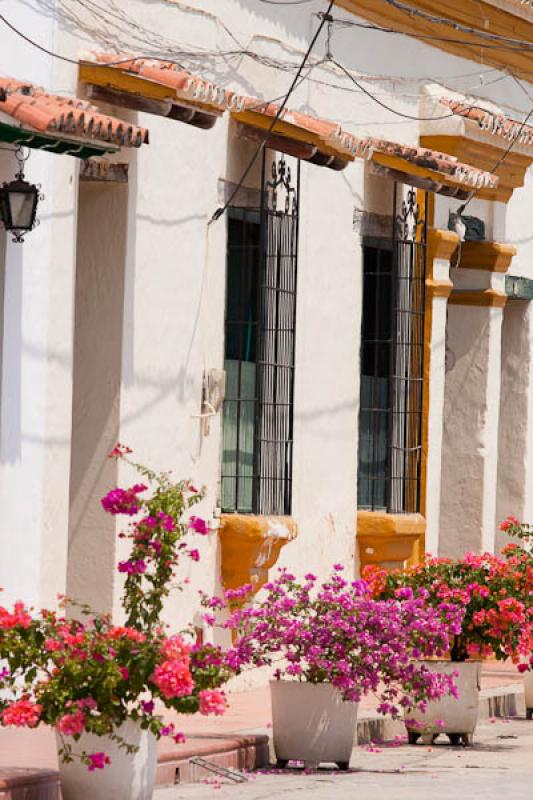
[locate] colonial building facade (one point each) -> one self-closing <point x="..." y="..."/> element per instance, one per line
<point x="343" y="358"/>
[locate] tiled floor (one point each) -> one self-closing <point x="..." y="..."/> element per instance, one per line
<point x="248" y="711"/>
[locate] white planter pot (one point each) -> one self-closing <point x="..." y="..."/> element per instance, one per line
<point x="528" y="693"/>
<point x="312" y="723"/>
<point x="128" y="777"/>
<point x="459" y="715"/>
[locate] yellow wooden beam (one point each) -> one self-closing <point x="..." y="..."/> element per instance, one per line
<point x="403" y="165"/>
<point x="258" y="120"/>
<point x="102" y="75"/>
<point x="476" y="14"/>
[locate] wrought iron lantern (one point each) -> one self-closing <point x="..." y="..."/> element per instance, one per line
<point x="18" y="203"/>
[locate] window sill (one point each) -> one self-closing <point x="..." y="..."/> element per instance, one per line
<point x="251" y="546"/>
<point x="390" y="540"/>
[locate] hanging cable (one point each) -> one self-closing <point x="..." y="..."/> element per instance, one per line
<point x="425" y="15"/>
<point x="220" y="211"/>
<point x="509" y="45"/>
<point x="389" y="108"/>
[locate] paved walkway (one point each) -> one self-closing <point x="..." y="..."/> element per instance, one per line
<point x="500" y="765"/>
<point x="249" y="711"/>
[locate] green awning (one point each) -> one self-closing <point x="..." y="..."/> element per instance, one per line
<point x="53" y="144"/>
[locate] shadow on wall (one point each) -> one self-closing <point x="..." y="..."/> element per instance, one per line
<point x="11" y="285"/>
<point x="98" y="333"/>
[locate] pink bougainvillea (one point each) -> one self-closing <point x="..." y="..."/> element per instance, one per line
<point x="336" y="633"/>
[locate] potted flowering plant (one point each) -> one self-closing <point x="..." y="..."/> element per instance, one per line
<point x="331" y="644"/>
<point x="101" y="685"/>
<point x="489" y="592"/>
<point x="520" y="560"/>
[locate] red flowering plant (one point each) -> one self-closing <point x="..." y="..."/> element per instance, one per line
<point x="519" y="557"/>
<point x="489" y="589"/>
<point x="336" y="633"/>
<point x="90" y="675"/>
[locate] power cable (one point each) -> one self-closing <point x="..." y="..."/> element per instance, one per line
<point x="506" y="153"/>
<point x="220" y="211"/>
<point x="417" y="12"/>
<point x="522" y="47"/>
<point x="369" y="94"/>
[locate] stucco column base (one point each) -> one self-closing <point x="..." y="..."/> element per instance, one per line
<point x="390" y="540"/>
<point x="251" y="546"/>
<point x="471" y="412"/>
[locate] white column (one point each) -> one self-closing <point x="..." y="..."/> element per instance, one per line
<point x="515" y="455"/>
<point x="438" y="287"/>
<point x="471" y="410"/>
<point x="36" y="390"/>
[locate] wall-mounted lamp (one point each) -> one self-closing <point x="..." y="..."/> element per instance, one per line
<point x="18" y="202"/>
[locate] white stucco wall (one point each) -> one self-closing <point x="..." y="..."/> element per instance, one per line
<point x="174" y="268"/>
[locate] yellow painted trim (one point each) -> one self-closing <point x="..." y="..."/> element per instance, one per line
<point x="256" y="119"/>
<point x="441" y="244"/>
<point x="250" y="546"/>
<point x="390" y="540"/>
<point x="101" y="75"/>
<point x="482" y="298"/>
<point x="408" y="168"/>
<point x="438" y="288"/>
<point x="491" y="256"/>
<point x="484" y="155"/>
<point x="112" y="78"/>
<point x="475" y="14"/>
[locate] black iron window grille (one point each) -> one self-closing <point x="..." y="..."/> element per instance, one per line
<point x="392" y="363"/>
<point x="262" y="261"/>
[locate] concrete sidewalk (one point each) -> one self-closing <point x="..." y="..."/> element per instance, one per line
<point x="499" y="765"/>
<point x="240" y="739"/>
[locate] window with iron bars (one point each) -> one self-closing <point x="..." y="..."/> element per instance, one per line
<point x="257" y="430"/>
<point x="392" y="364"/>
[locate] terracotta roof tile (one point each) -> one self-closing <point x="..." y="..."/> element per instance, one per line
<point x="328" y="137"/>
<point x="497" y="124"/>
<point x="442" y="163"/>
<point x="187" y="87"/>
<point x="51" y="113"/>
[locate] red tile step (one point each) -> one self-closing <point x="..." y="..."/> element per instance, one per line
<point x="230" y="751"/>
<point x="17" y="783"/>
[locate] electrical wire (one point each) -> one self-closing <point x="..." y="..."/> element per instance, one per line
<point x="417" y="12"/>
<point x="506" y="153"/>
<point x="266" y="61"/>
<point x="369" y="94"/>
<point x="220" y="211"/>
<point x="430" y="36"/>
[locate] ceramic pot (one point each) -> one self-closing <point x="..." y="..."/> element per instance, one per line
<point x="528" y="693"/>
<point x="312" y="723"/>
<point x="129" y="776"/>
<point x="458" y="715"/>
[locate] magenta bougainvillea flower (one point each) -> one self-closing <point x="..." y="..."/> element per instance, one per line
<point x="336" y="633"/>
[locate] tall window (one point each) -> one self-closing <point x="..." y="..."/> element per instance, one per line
<point x="259" y="348"/>
<point x="392" y="364"/>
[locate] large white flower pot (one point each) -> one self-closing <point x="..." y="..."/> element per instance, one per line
<point x="456" y="717"/>
<point x="528" y="693"/>
<point x="128" y="777"/>
<point x="312" y="723"/>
